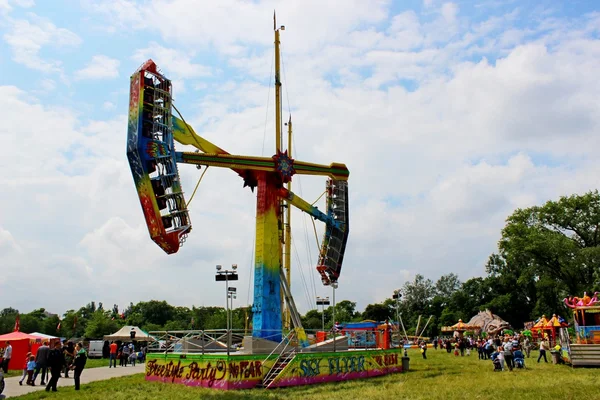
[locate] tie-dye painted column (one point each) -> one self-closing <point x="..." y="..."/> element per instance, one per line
<point x="266" y="321"/>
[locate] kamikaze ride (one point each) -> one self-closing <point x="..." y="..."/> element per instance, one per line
<point x="151" y="134"/>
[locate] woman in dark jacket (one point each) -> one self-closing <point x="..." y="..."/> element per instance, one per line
<point x="79" y="363"/>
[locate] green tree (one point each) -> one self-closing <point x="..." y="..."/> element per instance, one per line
<point x="100" y="324"/>
<point x="447" y="285"/>
<point x="378" y="312"/>
<point x="559" y="240"/>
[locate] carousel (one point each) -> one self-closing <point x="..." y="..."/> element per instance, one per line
<point x="460" y="328"/>
<point x="586" y="313"/>
<point x="545" y="328"/>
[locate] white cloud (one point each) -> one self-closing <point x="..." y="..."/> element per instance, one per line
<point x="108" y="105"/>
<point x="5" y="5"/>
<point x="100" y="67"/>
<point x="47" y="84"/>
<point x="178" y="63"/>
<point x="27" y="37"/>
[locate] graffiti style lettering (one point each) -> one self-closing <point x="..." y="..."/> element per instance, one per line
<point x="245" y="369"/>
<point x="169" y="370"/>
<point x="343" y="365"/>
<point x="309" y="367"/>
<point x="209" y="373"/>
<point x="386" y="360"/>
<point x="390" y="359"/>
<point x="234" y="370"/>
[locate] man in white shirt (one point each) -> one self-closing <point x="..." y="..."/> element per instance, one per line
<point x="7" y="357"/>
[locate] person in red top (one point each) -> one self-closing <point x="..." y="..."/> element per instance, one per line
<point x="113" y="354"/>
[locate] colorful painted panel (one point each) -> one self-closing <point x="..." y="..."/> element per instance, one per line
<point x="248" y="371"/>
<point x="211" y="371"/>
<point x="309" y="369"/>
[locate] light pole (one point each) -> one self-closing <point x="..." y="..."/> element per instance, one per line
<point x="231" y="294"/>
<point x="227" y="275"/>
<point x="396" y="296"/>
<point x="334" y="285"/>
<point x="322" y="301"/>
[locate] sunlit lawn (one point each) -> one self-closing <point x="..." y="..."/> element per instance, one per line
<point x="441" y="376"/>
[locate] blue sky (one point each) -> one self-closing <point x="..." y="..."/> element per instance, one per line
<point x="449" y="116"/>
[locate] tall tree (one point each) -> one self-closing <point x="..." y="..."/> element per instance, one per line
<point x="559" y="240"/>
<point x="447" y="285"/>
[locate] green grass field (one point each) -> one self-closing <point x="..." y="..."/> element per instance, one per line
<point x="441" y="376"/>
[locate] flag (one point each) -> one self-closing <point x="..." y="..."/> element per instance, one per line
<point x="75" y="322"/>
<point x="58" y="326"/>
<point x="17" y="323"/>
<point x="274" y="21"/>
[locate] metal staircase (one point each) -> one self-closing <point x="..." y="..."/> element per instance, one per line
<point x="282" y="362"/>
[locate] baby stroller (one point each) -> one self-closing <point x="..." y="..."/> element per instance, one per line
<point x="496" y="362"/>
<point x="519" y="359"/>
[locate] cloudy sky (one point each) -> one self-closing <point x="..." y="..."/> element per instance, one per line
<point x="449" y="116"/>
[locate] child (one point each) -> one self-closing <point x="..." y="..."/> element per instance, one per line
<point x="501" y="356"/>
<point x="25" y="368"/>
<point x="30" y="368"/>
<point x="456" y="345"/>
<point x="132" y="358"/>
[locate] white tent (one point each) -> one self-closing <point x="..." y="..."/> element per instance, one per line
<point x="44" y="336"/>
<point x="124" y="334"/>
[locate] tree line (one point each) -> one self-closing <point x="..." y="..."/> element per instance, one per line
<point x="545" y="253"/>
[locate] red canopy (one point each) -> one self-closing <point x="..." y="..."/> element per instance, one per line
<point x="21" y="344"/>
<point x="18" y="336"/>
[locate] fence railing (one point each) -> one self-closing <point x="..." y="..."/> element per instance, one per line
<point x="225" y="341"/>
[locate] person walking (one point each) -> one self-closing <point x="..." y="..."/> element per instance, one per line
<point x="6" y="357"/>
<point x="25" y="369"/>
<point x="56" y="362"/>
<point x="527" y="346"/>
<point x="79" y="363"/>
<point x="543" y="347"/>
<point x="41" y="362"/>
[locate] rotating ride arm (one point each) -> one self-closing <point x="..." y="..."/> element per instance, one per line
<point x="151" y="156"/>
<point x="152" y="130"/>
<point x="337" y="227"/>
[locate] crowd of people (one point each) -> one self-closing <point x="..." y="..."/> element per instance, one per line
<point x="125" y="353"/>
<point x="58" y="360"/>
<point x="52" y="362"/>
<point x="506" y="352"/>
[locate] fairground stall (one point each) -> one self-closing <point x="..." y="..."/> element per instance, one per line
<point x="586" y="314"/>
<point x="460" y="328"/>
<point x="545" y="328"/>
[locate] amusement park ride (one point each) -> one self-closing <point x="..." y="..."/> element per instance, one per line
<point x="151" y="136"/>
<point x="153" y="160"/>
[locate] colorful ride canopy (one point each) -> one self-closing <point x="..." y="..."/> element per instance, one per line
<point x="151" y="155"/>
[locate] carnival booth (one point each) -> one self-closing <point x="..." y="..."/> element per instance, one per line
<point x="368" y="334"/>
<point x="460" y="328"/>
<point x="51" y="339"/>
<point x="586" y="312"/>
<point x="21" y="343"/>
<point x="129" y="333"/>
<point x="548" y="328"/>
